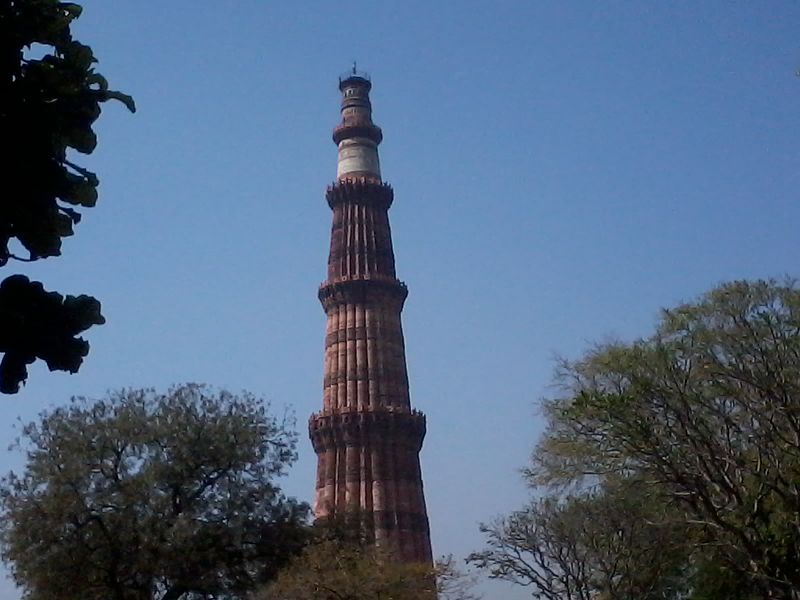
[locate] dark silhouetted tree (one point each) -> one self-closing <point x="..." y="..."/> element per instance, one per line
<point x="50" y="96"/>
<point x="152" y="496"/>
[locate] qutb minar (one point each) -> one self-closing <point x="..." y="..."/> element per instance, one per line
<point x="367" y="437"/>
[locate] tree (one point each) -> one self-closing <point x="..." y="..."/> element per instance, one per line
<point x="151" y="496"/>
<point x="711" y="578"/>
<point x="601" y="544"/>
<point x="332" y="570"/>
<point x="47" y="108"/>
<point x="336" y="569"/>
<point x="707" y="412"/>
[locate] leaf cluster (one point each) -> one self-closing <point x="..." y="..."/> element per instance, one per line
<point x="43" y="325"/>
<point x="47" y="107"/>
<point x="50" y="96"/>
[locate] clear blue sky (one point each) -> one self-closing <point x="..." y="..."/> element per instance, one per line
<point x="562" y="170"/>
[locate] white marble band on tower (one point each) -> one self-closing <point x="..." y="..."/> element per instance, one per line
<point x="358" y="155"/>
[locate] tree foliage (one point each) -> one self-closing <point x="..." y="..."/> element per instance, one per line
<point x="50" y="96"/>
<point x="151" y="496"/>
<point x="39" y="324"/>
<point x="706" y="414"/>
<point x="336" y="569"/>
<point x="601" y="544"/>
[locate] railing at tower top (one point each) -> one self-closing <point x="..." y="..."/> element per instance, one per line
<point x="354" y="74"/>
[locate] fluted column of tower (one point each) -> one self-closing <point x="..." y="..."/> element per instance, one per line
<point x="367" y="438"/>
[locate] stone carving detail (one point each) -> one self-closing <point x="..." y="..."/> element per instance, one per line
<point x="360" y="190"/>
<point x="363" y="290"/>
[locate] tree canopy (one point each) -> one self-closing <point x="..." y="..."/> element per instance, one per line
<point x="339" y="568"/>
<point x="50" y="96"/>
<point x="143" y="495"/>
<point x="703" y="415"/>
<point x="612" y="542"/>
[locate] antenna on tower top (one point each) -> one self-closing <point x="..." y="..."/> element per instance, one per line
<point x="353" y="74"/>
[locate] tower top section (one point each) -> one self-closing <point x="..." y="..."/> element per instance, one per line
<point x="354" y="77"/>
<point x="356" y="135"/>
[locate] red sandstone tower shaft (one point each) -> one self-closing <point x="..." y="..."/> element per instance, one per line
<point x="367" y="438"/>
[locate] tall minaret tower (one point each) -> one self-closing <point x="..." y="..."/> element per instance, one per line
<point x="367" y="437"/>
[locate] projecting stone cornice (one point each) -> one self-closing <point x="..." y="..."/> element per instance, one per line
<point x="363" y="290"/>
<point x="360" y="190"/>
<point x="351" y="130"/>
<point x="340" y="428"/>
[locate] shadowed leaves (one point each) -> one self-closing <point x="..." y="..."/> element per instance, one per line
<point x="50" y="96"/>
<point x="43" y="325"/>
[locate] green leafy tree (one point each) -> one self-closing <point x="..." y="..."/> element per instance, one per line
<point x="707" y="411"/>
<point x="711" y="578"/>
<point x="336" y="569"/>
<point x="47" y="107"/>
<point x="151" y="496"/>
<point x="612" y="543"/>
